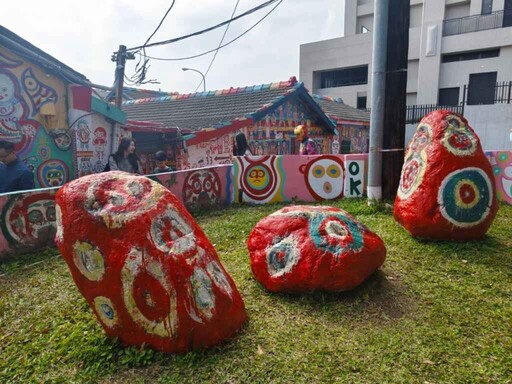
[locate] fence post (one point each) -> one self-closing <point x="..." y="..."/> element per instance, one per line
<point x="509" y="91"/>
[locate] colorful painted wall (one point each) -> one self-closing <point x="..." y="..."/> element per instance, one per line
<point x="33" y="116"/>
<point x="28" y="219"/>
<point x="91" y="135"/>
<point x="351" y="138"/>
<point x="269" y="179"/>
<point x="501" y="162"/>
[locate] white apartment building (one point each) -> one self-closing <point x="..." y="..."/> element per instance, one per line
<point x="460" y="52"/>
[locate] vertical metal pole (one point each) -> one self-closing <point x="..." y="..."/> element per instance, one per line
<point x="380" y="35"/>
<point x="119" y="83"/>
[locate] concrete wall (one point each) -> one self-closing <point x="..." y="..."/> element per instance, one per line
<point x="492" y="124"/>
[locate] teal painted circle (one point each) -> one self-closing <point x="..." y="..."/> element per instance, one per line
<point x="466" y="197"/>
<point x="503" y="156"/>
<point x="353" y="241"/>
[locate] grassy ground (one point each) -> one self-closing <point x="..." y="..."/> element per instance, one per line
<point x="437" y="312"/>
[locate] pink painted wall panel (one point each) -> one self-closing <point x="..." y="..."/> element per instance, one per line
<point x="501" y="162"/>
<point x="269" y="179"/>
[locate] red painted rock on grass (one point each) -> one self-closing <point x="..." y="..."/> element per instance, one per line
<point x="447" y="188"/>
<point x="307" y="248"/>
<point x="143" y="264"/>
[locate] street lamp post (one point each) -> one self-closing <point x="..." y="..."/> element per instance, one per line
<point x="195" y="70"/>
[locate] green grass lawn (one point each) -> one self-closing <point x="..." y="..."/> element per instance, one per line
<point x="437" y="312"/>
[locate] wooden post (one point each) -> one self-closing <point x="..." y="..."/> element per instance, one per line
<point x="396" y="88"/>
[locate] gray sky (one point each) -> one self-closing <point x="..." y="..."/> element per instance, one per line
<point x="83" y="35"/>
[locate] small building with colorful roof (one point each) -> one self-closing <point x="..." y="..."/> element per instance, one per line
<point x="208" y="121"/>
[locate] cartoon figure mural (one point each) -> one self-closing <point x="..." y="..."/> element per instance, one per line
<point x="23" y="94"/>
<point x="202" y="189"/>
<point x="324" y="177"/>
<point x="99" y="141"/>
<point x="83" y="134"/>
<point x="259" y="179"/>
<point x="52" y="173"/>
<point x="12" y="111"/>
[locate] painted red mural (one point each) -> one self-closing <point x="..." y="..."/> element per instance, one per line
<point x="307" y="248"/>
<point x="143" y="264"/>
<point x="447" y="189"/>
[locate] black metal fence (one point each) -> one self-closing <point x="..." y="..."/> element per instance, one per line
<point x="499" y="93"/>
<point x="475" y="23"/>
<point x="415" y="113"/>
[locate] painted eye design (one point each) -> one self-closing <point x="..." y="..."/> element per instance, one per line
<point x="318" y="171"/>
<point x="333" y="171"/>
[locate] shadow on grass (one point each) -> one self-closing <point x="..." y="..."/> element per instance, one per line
<point x="23" y="261"/>
<point x="382" y="296"/>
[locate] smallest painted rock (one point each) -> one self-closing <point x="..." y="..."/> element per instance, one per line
<point x="308" y="248"/>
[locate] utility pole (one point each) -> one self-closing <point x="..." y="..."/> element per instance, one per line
<point x="380" y="31"/>
<point x="396" y="96"/>
<point x="120" y="58"/>
<point x="389" y="87"/>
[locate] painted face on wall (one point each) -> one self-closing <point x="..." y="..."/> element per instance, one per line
<point x="6" y="89"/>
<point x="83" y="131"/>
<point x="335" y="147"/>
<point x="27" y="219"/>
<point x="324" y="177"/>
<point x="52" y="173"/>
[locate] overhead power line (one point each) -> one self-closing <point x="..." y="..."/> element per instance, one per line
<point x="217" y="50"/>
<point x="142" y="67"/>
<point x="161" y="22"/>
<point x="252" y="10"/>
<point x="221" y="46"/>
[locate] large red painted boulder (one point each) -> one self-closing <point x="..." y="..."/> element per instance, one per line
<point x="447" y="188"/>
<point x="308" y="248"/>
<point x="143" y="264"/>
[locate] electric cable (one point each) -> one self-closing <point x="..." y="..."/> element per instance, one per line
<point x="217" y="50"/>
<point x="222" y="46"/>
<point x="142" y="67"/>
<point x="252" y="10"/>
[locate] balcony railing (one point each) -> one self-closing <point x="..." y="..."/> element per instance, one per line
<point x="473" y="23"/>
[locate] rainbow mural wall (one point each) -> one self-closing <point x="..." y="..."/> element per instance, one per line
<point x="28" y="218"/>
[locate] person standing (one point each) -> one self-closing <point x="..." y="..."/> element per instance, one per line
<point x="307" y="146"/>
<point x="125" y="158"/>
<point x="241" y="146"/>
<point x="14" y="174"/>
<point x="161" y="163"/>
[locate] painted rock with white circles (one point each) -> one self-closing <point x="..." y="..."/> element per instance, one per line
<point x="307" y="248"/>
<point x="145" y="267"/>
<point x="447" y="188"/>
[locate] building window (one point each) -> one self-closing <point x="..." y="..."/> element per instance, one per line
<point x="449" y="96"/>
<point x="486" y="7"/>
<point x="361" y="102"/>
<point x="344" y="77"/>
<point x="475" y="55"/>
<point x="364" y="29"/>
<point x="482" y="87"/>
